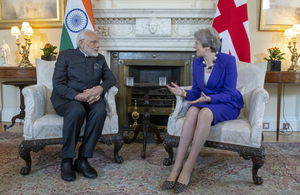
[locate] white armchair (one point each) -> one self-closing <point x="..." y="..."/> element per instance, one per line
<point x="244" y="134"/>
<point x="42" y="126"/>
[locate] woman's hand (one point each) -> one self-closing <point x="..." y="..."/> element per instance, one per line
<point x="176" y="90"/>
<point x="203" y="98"/>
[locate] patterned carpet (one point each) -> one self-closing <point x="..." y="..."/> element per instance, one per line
<point x="215" y="172"/>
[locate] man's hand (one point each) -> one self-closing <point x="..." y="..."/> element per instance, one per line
<point x="90" y="95"/>
<point x="81" y="97"/>
<point x="93" y="94"/>
<point x="203" y="98"/>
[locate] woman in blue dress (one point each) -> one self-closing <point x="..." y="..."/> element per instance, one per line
<point x="213" y="99"/>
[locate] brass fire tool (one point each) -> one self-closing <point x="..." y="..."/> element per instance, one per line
<point x="135" y="115"/>
<point x="172" y="108"/>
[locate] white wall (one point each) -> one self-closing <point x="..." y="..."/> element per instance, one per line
<point x="9" y="96"/>
<point x="260" y="42"/>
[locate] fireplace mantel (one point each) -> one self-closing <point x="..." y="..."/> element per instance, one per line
<point x="149" y="29"/>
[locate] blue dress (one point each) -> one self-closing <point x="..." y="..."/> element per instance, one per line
<point x="227" y="101"/>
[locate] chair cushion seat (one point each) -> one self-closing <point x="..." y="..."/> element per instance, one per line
<point x="235" y="132"/>
<point x="50" y="126"/>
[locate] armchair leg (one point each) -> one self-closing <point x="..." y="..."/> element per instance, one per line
<point x="24" y="152"/>
<point x="118" y="145"/>
<point x="32" y="145"/>
<point x="168" y="143"/>
<point x="117" y="140"/>
<point x="258" y="161"/>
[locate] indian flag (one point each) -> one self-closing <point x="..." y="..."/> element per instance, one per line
<point x="79" y="16"/>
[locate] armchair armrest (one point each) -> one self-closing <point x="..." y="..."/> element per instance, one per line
<point x="34" y="99"/>
<point x="111" y="109"/>
<point x="35" y="105"/>
<point x="180" y="111"/>
<point x="110" y="101"/>
<point x="181" y="107"/>
<point x="257" y="108"/>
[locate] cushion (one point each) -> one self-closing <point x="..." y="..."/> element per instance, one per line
<point x="236" y="132"/>
<point x="250" y="76"/>
<point x="242" y="91"/>
<point x="44" y="72"/>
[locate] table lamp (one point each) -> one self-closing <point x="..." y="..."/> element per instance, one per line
<point x="291" y="33"/>
<point x="25" y="62"/>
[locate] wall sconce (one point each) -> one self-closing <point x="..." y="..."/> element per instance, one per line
<point x="25" y="62"/>
<point x="291" y="34"/>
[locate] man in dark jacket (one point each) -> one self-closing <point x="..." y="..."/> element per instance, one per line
<point x="77" y="96"/>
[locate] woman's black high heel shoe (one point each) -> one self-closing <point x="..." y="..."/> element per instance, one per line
<point x="179" y="187"/>
<point x="168" y="185"/>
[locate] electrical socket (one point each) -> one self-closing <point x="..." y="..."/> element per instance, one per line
<point x="286" y="125"/>
<point x="266" y="125"/>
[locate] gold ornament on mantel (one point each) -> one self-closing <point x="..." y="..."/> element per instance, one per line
<point x="24" y="49"/>
<point x="291" y="34"/>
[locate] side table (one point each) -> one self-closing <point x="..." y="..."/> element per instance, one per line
<point x="146" y="126"/>
<point x="20" y="77"/>
<point x="279" y="78"/>
<point x="21" y="85"/>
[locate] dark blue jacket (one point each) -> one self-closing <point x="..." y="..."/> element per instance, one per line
<point x="74" y="73"/>
<point x="221" y="85"/>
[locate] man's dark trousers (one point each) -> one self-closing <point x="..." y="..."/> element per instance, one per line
<point x="74" y="114"/>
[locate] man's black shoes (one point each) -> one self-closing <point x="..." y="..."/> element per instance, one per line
<point x="67" y="171"/>
<point x="85" y="169"/>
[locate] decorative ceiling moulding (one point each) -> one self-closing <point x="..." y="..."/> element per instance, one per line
<point x="150" y="29"/>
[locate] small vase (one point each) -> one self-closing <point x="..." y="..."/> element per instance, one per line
<point x="274" y="66"/>
<point x="48" y="58"/>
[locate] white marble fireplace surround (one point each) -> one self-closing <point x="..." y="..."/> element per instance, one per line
<point x="149" y="29"/>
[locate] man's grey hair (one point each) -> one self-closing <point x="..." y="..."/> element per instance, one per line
<point x="209" y="37"/>
<point x="81" y="35"/>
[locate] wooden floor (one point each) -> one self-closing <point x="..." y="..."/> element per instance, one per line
<point x="269" y="136"/>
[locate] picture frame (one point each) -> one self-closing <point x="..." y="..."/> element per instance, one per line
<point x="39" y="14"/>
<point x="278" y="15"/>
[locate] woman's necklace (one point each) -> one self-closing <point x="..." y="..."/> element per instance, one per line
<point x="212" y="65"/>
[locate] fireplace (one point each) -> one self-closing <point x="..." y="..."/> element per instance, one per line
<point x="147" y="67"/>
<point x="147" y="44"/>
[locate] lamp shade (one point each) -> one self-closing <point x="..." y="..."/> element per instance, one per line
<point x="296" y="28"/>
<point x="28" y="30"/>
<point x="289" y="33"/>
<point x="24" y="25"/>
<point x="15" y="31"/>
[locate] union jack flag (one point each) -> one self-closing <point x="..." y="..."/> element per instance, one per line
<point x="231" y="22"/>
